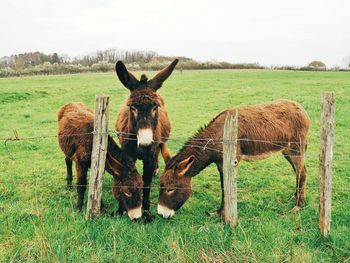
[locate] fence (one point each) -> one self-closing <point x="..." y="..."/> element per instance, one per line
<point x="230" y="163"/>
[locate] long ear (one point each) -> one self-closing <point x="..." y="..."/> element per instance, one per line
<point x="113" y="166"/>
<point x="184" y="165"/>
<point x="125" y="77"/>
<point x="158" y="79"/>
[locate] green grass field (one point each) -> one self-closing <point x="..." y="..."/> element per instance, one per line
<point x="38" y="221"/>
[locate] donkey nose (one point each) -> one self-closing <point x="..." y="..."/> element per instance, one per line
<point x="165" y="211"/>
<point x="135" y="213"/>
<point x="144" y="137"/>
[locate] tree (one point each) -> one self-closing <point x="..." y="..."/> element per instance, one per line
<point x="55" y="59"/>
<point x="317" y="65"/>
<point x="346" y="62"/>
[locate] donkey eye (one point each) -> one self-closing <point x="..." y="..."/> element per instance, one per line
<point x="127" y="194"/>
<point x="170" y="191"/>
<point x="132" y="108"/>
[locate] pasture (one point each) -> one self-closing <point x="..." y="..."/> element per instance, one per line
<point x="38" y="219"/>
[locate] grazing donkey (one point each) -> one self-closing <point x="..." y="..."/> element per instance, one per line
<point x="279" y="126"/>
<point x="75" y="127"/>
<point x="143" y="124"/>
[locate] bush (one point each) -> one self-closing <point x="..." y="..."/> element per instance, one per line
<point x="316" y="65"/>
<point x="7" y="72"/>
<point x="102" y="66"/>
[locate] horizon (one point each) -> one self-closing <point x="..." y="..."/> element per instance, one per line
<point x="271" y="33"/>
<point x="72" y="58"/>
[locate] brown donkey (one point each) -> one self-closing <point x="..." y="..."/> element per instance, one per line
<point x="143" y="124"/>
<point x="279" y="126"/>
<point x="75" y="127"/>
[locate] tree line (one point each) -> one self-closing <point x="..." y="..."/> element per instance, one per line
<point x="38" y="63"/>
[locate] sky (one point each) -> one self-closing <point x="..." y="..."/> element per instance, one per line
<point x="270" y="32"/>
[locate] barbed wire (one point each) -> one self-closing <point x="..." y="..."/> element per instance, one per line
<point x="298" y="226"/>
<point x="199" y="143"/>
<point x="197" y="187"/>
<point x="121" y="134"/>
<point x="220" y="140"/>
<point x="17" y="138"/>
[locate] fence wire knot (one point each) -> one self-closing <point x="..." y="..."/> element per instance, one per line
<point x="209" y="141"/>
<point x="16" y="138"/>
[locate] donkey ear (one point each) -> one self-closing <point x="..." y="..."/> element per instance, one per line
<point x="125" y="77"/>
<point x="113" y="166"/>
<point x="158" y="79"/>
<point x="184" y="165"/>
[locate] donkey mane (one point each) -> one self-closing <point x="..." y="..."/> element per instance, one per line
<point x="144" y="96"/>
<point x="143" y="79"/>
<point x="177" y="158"/>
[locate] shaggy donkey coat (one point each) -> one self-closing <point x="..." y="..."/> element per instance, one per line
<point x="278" y="126"/>
<point x="75" y="127"/>
<point x="143" y="124"/>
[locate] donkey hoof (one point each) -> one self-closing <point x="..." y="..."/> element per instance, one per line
<point x="296" y="208"/>
<point x="299" y="201"/>
<point x="148" y="217"/>
<point x="211" y="214"/>
<point x="69" y="187"/>
<point x="155" y="173"/>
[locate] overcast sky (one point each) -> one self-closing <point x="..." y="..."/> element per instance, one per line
<point x="265" y="31"/>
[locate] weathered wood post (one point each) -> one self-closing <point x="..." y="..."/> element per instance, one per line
<point x="230" y="169"/>
<point x="326" y="159"/>
<point x="98" y="156"/>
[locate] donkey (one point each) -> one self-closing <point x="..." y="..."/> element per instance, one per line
<point x="279" y="126"/>
<point x="143" y="124"/>
<point x="75" y="127"/>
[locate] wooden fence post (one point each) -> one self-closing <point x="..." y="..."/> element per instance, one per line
<point x="98" y="156"/>
<point x="230" y="169"/>
<point x="326" y="159"/>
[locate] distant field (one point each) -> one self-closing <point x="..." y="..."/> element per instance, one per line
<point x="38" y="221"/>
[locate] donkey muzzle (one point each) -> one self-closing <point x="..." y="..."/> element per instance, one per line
<point x="144" y="137"/>
<point x="165" y="212"/>
<point x="135" y="213"/>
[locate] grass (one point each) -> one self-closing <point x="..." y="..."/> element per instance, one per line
<point x="38" y="221"/>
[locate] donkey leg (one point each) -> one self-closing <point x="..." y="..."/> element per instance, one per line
<point x="297" y="160"/>
<point x="221" y="209"/>
<point x="81" y="183"/>
<point x="156" y="169"/>
<point x="288" y="158"/>
<point x="300" y="182"/>
<point x="69" y="177"/>
<point x="148" y="171"/>
<point x="165" y="152"/>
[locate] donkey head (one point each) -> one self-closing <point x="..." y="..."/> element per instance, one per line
<point x="175" y="187"/>
<point x="127" y="185"/>
<point x="144" y="100"/>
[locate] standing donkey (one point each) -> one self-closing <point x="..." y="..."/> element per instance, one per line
<point x="279" y="126"/>
<point x="143" y="125"/>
